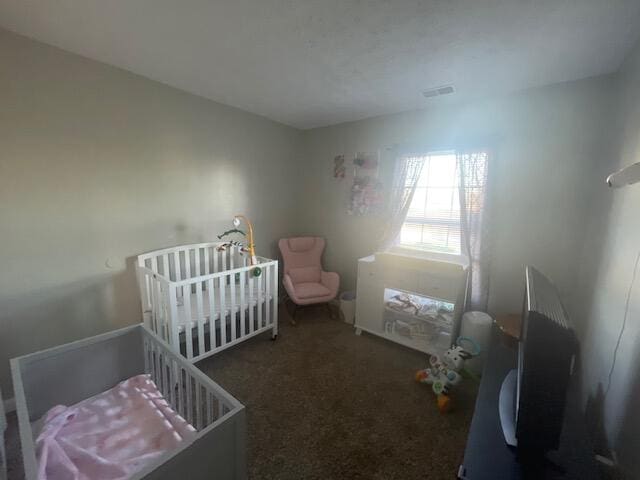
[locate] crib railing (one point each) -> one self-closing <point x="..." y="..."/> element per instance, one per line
<point x="189" y="261"/>
<point x="187" y="390"/>
<point x="202" y="300"/>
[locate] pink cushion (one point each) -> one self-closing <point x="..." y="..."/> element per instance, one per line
<point x="311" y="290"/>
<point x="305" y="274"/>
<point x="301" y="244"/>
<point x="302" y="252"/>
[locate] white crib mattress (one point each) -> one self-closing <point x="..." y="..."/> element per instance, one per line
<point x="229" y="304"/>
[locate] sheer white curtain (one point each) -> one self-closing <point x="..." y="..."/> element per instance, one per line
<point x="472" y="182"/>
<point x="475" y="217"/>
<point x="407" y="172"/>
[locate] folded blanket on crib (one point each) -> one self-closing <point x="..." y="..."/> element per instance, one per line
<point x="111" y="435"/>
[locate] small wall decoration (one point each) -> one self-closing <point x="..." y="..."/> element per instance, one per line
<point x="339" y="168"/>
<point x="367" y="191"/>
<point x="367" y="162"/>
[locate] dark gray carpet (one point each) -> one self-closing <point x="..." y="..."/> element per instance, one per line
<point x="323" y="403"/>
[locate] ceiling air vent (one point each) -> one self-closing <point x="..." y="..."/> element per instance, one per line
<point x="437" y="91"/>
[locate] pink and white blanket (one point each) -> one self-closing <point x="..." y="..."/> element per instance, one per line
<point x="111" y="435"/>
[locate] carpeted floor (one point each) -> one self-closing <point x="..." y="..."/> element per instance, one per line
<point x="323" y="403"/>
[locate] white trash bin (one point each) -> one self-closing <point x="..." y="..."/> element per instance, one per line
<point x="348" y="306"/>
<point x="477" y="326"/>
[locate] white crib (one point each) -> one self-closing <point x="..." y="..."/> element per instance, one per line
<point x="201" y="299"/>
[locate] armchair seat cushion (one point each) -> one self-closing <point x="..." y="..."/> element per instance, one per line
<point x="310" y="290"/>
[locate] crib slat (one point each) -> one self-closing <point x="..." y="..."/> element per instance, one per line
<point x="156" y="307"/>
<point x="189" y="398"/>
<point x="151" y="364"/>
<point x="196" y="262"/>
<point x="207" y="267"/>
<point x="243" y="304"/>
<point x="274" y="295"/>
<point x="144" y="279"/>
<point x="145" y="344"/>
<point x="251" y="299"/>
<point x="159" y="381"/>
<point x="187" y="267"/>
<point x="177" y="265"/>
<point x="223" y="316"/>
<point x="165" y="380"/>
<point x="216" y="254"/>
<point x="166" y="311"/>
<point x="172" y="384"/>
<point x="166" y="369"/>
<point x="224" y="264"/>
<point x="198" y="420"/>
<point x="154" y="264"/>
<point x="156" y="367"/>
<point x="152" y="316"/>
<point x="158" y="373"/>
<point x="176" y="271"/>
<point x="233" y="306"/>
<point x="260" y="302"/>
<point x="232" y="250"/>
<point x="200" y="313"/>
<point x="209" y="408"/>
<point x="161" y="319"/>
<point x="165" y="267"/>
<point x="181" y="391"/>
<point x="150" y="292"/>
<point x="267" y="290"/>
<point x="188" y="327"/>
<point x="212" y="313"/>
<point x="174" y="341"/>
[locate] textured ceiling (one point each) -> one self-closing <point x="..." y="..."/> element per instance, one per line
<point x="308" y="63"/>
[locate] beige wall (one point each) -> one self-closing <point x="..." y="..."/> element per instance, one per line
<point x="612" y="244"/>
<point x="547" y="141"/>
<point x="98" y="165"/>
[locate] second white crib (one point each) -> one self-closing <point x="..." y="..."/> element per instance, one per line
<point x="202" y="299"/>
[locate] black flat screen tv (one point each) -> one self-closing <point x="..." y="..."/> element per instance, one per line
<point x="532" y="397"/>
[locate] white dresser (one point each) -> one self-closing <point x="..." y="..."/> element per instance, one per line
<point x="412" y="299"/>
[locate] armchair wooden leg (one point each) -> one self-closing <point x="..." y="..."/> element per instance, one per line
<point x="329" y="310"/>
<point x="292" y="315"/>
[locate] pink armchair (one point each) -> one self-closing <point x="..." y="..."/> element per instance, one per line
<point x="303" y="278"/>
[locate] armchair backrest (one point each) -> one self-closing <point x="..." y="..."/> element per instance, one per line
<point x="301" y="256"/>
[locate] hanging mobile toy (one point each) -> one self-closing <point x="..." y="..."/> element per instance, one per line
<point x="257" y="271"/>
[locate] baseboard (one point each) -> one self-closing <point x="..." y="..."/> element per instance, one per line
<point x="10" y="405"/>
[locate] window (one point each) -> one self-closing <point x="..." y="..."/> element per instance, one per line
<point x="433" y="218"/>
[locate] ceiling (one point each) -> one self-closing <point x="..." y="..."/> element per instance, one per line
<point x="310" y="63"/>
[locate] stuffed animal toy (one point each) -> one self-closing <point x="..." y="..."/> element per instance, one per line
<point x="445" y="373"/>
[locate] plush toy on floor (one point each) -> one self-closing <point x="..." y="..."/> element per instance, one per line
<point x="445" y="373"/>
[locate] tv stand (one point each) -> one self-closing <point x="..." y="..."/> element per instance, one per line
<point x="487" y="455"/>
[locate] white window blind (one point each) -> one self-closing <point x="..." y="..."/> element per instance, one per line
<point x="433" y="219"/>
